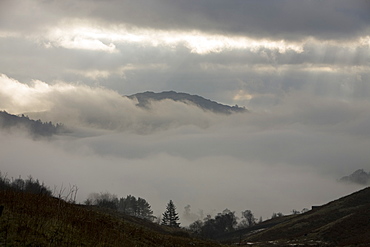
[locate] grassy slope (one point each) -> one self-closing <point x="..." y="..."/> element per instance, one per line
<point x="237" y="235"/>
<point x="34" y="220"/>
<point x="343" y="222"/>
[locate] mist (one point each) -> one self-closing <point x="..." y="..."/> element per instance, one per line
<point x="287" y="158"/>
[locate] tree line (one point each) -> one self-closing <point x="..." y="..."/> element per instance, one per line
<point x="29" y="185"/>
<point x="224" y="222"/>
<point x="129" y="205"/>
<point x="35" y="127"/>
<point x="209" y="227"/>
<point x="137" y="207"/>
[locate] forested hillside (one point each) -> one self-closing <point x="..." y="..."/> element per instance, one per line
<point x="145" y="98"/>
<point x="33" y="215"/>
<point x="34" y="127"/>
<point x="30" y="216"/>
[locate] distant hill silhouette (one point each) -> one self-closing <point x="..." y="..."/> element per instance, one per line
<point x="358" y="177"/>
<point x="145" y="98"/>
<point x="34" y="127"/>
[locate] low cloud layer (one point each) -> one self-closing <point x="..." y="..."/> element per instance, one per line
<point x="80" y="105"/>
<point x="210" y="183"/>
<point x="288" y="158"/>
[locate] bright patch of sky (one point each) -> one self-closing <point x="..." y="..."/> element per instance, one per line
<point x="82" y="36"/>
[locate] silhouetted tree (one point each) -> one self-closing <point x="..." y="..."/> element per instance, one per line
<point x="30" y="185"/>
<point x="260" y="220"/>
<point x="136" y="207"/>
<point x="196" y="227"/>
<point x="4" y="182"/>
<point x="225" y="221"/>
<point x="304" y="210"/>
<point x="294" y="211"/>
<point x="35" y="127"/>
<point x="248" y="219"/>
<point x="209" y="228"/>
<point x="106" y="203"/>
<point x="18" y="184"/>
<point x="105" y="200"/>
<point x="35" y="187"/>
<point x="222" y="223"/>
<point x="275" y="215"/>
<point x="170" y="216"/>
<point x="143" y="209"/>
<point x="128" y="205"/>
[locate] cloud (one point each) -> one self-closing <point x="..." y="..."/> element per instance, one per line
<point x="79" y="34"/>
<point x="265" y="71"/>
<point x="283" y="19"/>
<point x="18" y="97"/>
<point x="284" y="159"/>
<point x="97" y="107"/>
<point x="261" y="50"/>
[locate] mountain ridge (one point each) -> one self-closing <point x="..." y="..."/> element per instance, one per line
<point x="34" y="127"/>
<point x="145" y="98"/>
<point x="359" y="177"/>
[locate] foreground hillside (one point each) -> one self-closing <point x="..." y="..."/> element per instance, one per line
<point x="40" y="220"/>
<point x="343" y="222"/>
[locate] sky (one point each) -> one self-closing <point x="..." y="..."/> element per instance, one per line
<point x="301" y="68"/>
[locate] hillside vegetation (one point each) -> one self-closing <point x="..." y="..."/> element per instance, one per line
<point x="144" y="100"/>
<point x="343" y="222"/>
<point x="31" y="216"/>
<point x="34" y="127"/>
<point x="40" y="220"/>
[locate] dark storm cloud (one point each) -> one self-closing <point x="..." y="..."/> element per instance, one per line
<point x="269" y="19"/>
<point x="285" y="19"/>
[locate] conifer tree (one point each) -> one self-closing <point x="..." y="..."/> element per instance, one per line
<point x="170" y="216"/>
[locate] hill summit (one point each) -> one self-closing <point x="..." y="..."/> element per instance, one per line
<point x="144" y="100"/>
<point x="358" y="177"/>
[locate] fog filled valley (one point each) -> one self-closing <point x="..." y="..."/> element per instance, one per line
<point x="265" y="162"/>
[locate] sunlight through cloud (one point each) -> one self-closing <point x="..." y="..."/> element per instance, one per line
<point x="105" y="39"/>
